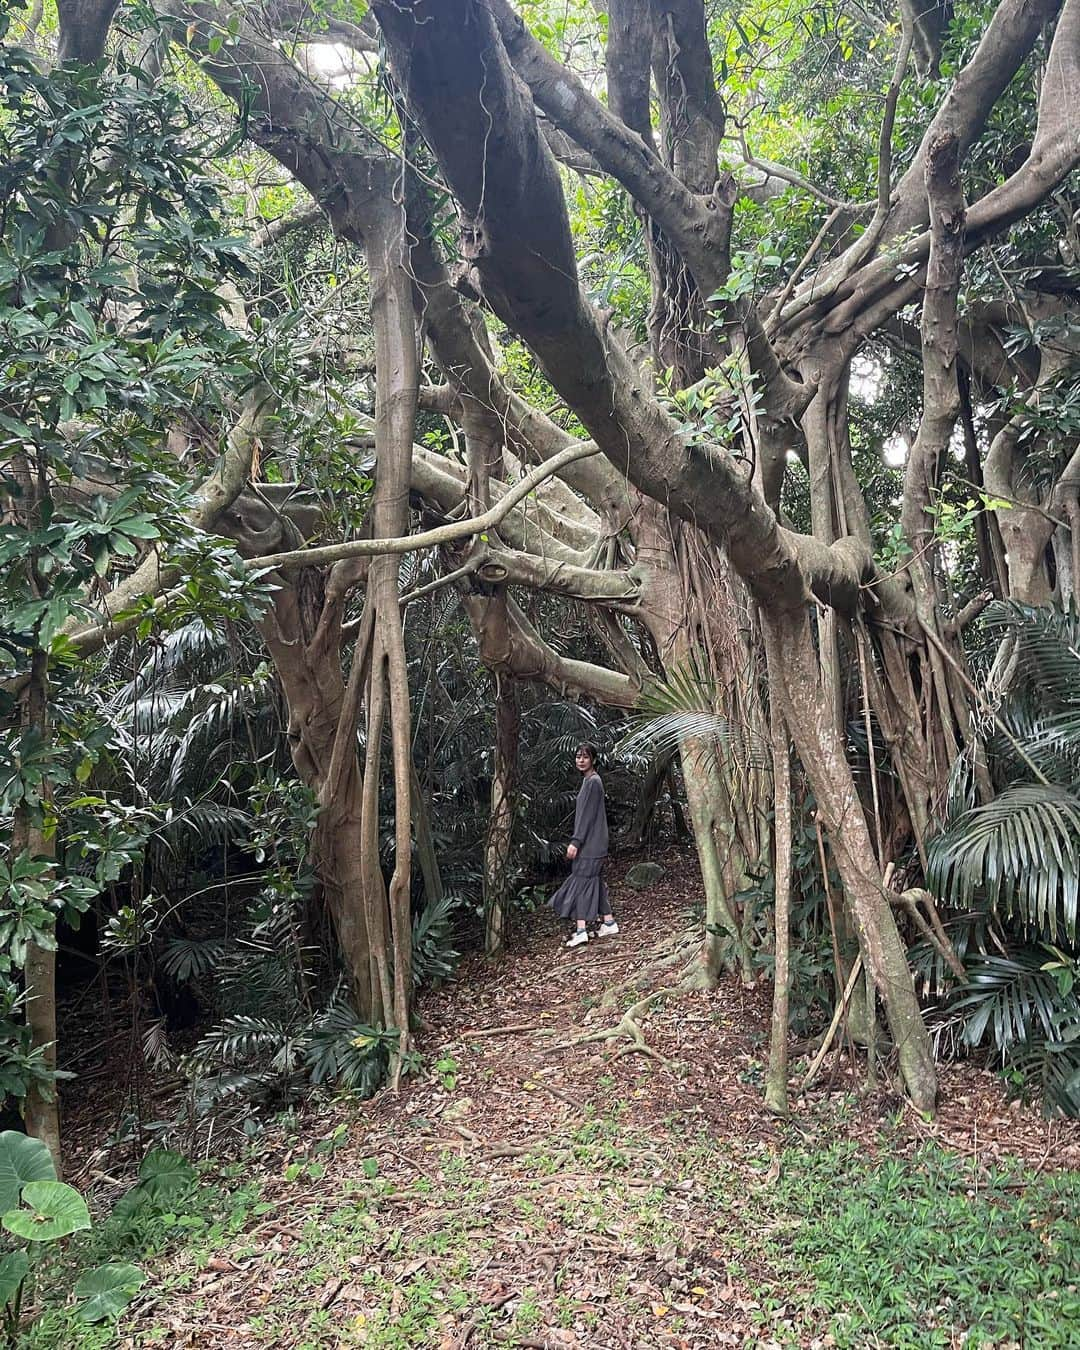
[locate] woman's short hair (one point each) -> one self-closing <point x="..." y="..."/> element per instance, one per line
<point x="590" y="750"/>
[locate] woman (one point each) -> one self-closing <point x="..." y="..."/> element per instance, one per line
<point x="584" y="895"/>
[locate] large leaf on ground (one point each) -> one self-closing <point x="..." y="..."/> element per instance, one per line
<point x="164" y="1172"/>
<point x="1022" y="849"/>
<point x="50" y="1210"/>
<point x="22" y="1159"/>
<point x="162" y="1177"/>
<point x="108" y="1290"/>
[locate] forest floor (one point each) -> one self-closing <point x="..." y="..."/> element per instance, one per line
<point x="530" y="1187"/>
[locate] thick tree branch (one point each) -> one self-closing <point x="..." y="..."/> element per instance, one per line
<point x="483" y="128"/>
<point x="154" y="575"/>
<point x="1009" y="37"/>
<point x="442" y="534"/>
<point x="511" y="646"/>
<point x="273" y="231"/>
<point x="629" y="47"/>
<point x="941" y="392"/>
<point x="618" y="590"/>
<point x="692" y="113"/>
<point x="698" y="226"/>
<point x="84" y="30"/>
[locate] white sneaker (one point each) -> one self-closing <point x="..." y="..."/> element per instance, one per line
<point x="607" y="929"/>
<point x="581" y="936"/>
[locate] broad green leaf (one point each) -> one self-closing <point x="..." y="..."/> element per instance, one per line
<point x="108" y="1290"/>
<point x="163" y="1171"/>
<point x="52" y="1210"/>
<point x="22" y="1159"/>
<point x="13" y="1268"/>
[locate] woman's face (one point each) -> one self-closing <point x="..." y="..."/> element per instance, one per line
<point x="583" y="760"/>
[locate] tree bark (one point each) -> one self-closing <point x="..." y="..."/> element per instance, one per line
<point x="821" y="751"/>
<point x="498" y="845"/>
<point x="776" y="1075"/>
<point x="41" y="1110"/>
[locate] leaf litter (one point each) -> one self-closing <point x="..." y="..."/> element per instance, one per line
<point x="558" y="1194"/>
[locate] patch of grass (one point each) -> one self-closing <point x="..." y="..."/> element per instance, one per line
<point x="866" y="1248"/>
<point x="916" y="1253"/>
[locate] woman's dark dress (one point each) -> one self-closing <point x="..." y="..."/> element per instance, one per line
<point x="584" y="894"/>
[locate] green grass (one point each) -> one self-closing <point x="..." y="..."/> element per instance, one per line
<point x="919" y="1252"/>
<point x="909" y="1253"/>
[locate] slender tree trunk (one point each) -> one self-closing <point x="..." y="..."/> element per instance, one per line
<point x="776" y="1075"/>
<point x="671" y="614"/>
<point x="497" y="849"/>
<point x="656" y="778"/>
<point x="41" y="1109"/>
<point x="699" y="772"/>
<point x="396" y="383"/>
<point x="821" y="750"/>
<point x="426" y="853"/>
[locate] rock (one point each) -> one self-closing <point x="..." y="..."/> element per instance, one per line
<point x="458" y="1110"/>
<point x="643" y="875"/>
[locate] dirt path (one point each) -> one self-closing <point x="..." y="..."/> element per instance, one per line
<point x="526" y="1190"/>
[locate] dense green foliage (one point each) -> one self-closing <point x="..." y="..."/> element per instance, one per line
<point x="173" y="318"/>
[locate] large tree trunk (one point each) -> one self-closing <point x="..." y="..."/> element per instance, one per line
<point x="812" y="726"/>
<point x="306" y="653"/>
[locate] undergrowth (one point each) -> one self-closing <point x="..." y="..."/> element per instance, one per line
<point x="919" y="1252"/>
<point x="836" y="1245"/>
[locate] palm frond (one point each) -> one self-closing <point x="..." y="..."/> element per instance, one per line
<point x="240" y="1040"/>
<point x="209" y="727"/>
<point x="1051" y="1071"/>
<point x="202" y="823"/>
<point x="188" y="958"/>
<point x="344" y="1050"/>
<point x="433" y="956"/>
<point x="687" y="687"/>
<point x="1047" y="648"/>
<point x="1022" y="850"/>
<point x="1008" y="1001"/>
<point x="682" y="707"/>
<point x="670" y="731"/>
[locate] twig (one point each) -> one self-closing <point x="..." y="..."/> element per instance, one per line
<point x="841" y="1009"/>
<point x="492" y="1306"/>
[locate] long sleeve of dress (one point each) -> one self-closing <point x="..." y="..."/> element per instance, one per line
<point x="590" y="820"/>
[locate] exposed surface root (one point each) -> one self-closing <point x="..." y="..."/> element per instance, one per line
<point x="629" y="1026"/>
